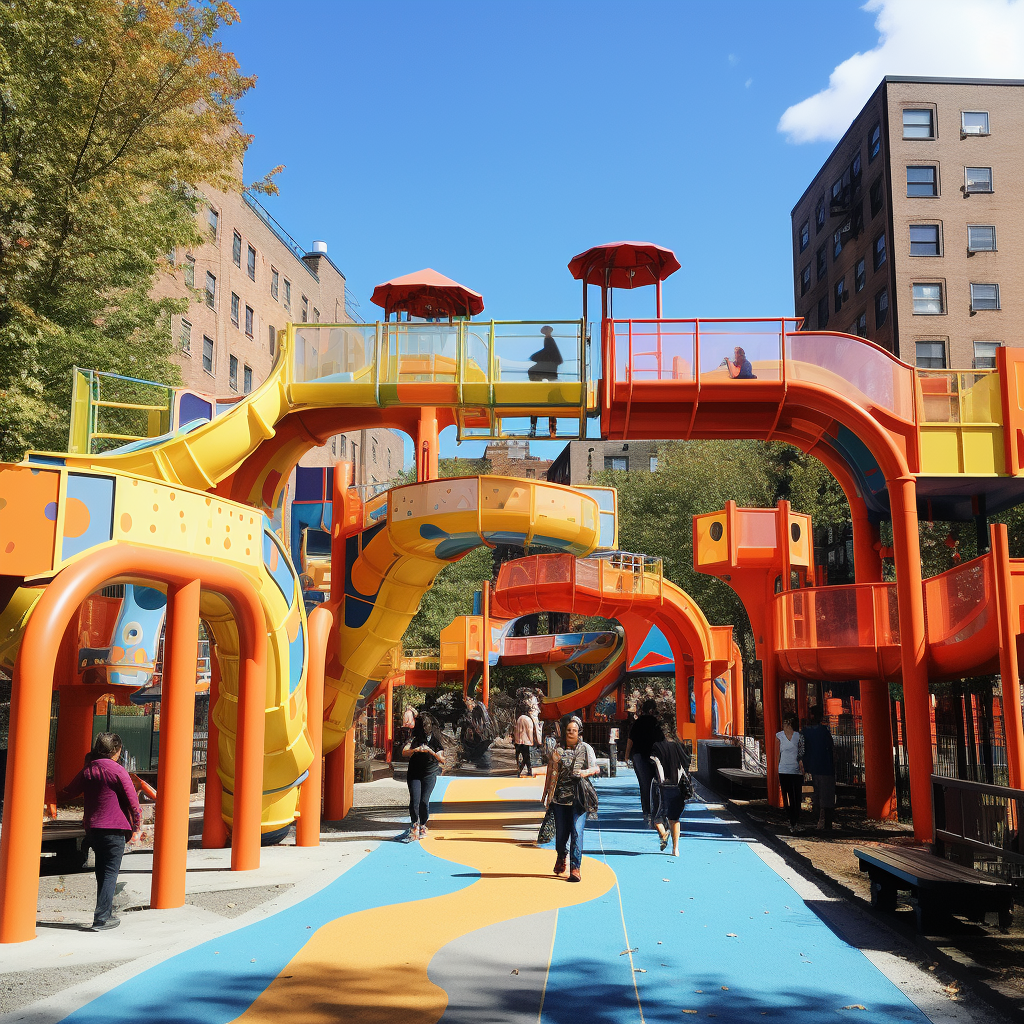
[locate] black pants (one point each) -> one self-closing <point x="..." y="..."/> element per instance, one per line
<point x="523" y="751"/>
<point x="792" y="794"/>
<point x="108" y="849"/>
<point x="419" y="798"/>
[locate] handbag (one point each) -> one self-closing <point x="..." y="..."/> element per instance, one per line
<point x="584" y="796"/>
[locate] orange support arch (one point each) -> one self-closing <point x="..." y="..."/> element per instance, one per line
<point x="215" y="832"/>
<point x="30" y="712"/>
<point x="307" y="829"/>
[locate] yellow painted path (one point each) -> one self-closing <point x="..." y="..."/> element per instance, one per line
<point x="371" y="967"/>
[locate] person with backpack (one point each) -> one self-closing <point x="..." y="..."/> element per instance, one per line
<point x="112" y="817"/>
<point x="570" y="793"/>
<point x="674" y="788"/>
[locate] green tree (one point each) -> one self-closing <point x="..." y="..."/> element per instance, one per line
<point x="112" y="115"/>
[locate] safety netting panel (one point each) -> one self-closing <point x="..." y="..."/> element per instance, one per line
<point x="654" y="350"/>
<point x="554" y="569"/>
<point x="958" y="603"/>
<point x="830" y="617"/>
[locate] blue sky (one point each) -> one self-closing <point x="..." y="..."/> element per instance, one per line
<point x="493" y="140"/>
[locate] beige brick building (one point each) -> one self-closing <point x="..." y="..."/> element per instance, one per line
<point x="513" y="458"/>
<point x="579" y="461"/>
<point x="253" y="278"/>
<point x="911" y="233"/>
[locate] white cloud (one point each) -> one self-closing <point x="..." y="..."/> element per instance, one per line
<point x="936" y="38"/>
<point x="733" y="60"/>
<point x="748" y="83"/>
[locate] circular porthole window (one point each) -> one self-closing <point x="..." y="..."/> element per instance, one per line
<point x="795" y="531"/>
<point x="716" y="531"/>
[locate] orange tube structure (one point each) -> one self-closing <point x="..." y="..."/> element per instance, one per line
<point x="1008" y="665"/>
<point x="174" y="771"/>
<point x="215" y="831"/>
<point x="307" y="829"/>
<point x="30" y="714"/>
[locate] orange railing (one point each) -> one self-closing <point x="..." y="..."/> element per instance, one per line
<point x="863" y="615"/>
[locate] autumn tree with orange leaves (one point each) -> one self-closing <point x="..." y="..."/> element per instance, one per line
<point x="112" y="115"/>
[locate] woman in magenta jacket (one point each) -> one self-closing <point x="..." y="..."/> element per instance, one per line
<point x="112" y="816"/>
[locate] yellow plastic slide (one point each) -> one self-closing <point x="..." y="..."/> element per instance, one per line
<point x="428" y="526"/>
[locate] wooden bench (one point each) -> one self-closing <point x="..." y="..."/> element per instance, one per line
<point x="739" y="779"/>
<point x="65" y="841"/>
<point x="937" y="886"/>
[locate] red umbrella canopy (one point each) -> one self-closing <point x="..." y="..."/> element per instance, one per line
<point x="428" y="294"/>
<point x="629" y="264"/>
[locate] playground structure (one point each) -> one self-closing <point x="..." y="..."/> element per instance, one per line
<point x="187" y="503"/>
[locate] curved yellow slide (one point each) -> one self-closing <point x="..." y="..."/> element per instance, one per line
<point x="428" y="526"/>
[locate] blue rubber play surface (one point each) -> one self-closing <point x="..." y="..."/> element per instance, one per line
<point x="715" y="932"/>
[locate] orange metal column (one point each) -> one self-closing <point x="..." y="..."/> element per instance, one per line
<point x="215" y="832"/>
<point x="248" y="797"/>
<point x="1009" y="621"/>
<point x="879" y="772"/>
<point x="702" y="684"/>
<point x="177" y="725"/>
<point x="907" y="549"/>
<point x="307" y="830"/>
<point x="341" y="771"/>
<point x="389" y="720"/>
<point x="485" y="642"/>
<point x="427" y="445"/>
<point x="772" y="719"/>
<point x="74" y="733"/>
<point x="739" y="708"/>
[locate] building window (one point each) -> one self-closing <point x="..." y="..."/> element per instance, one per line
<point x="984" y="296"/>
<point x="974" y="122"/>
<point x="234" y="309"/>
<point x="860" y="326"/>
<point x="978" y="179"/>
<point x="233" y="373"/>
<point x="207" y="354"/>
<point x="247" y="379"/>
<point x="236" y="249"/>
<point x="190" y="271"/>
<point x="805" y="279"/>
<point x="373" y="448"/>
<point x="344" y="444"/>
<point x="874" y="142"/>
<point x="876" y="197"/>
<point x="316" y="315"/>
<point x="287" y="294"/>
<point x="274" y="280"/>
<point x="823" y="313"/>
<point x="305" y="310"/>
<point x="922" y="182"/>
<point x="855" y="169"/>
<point x="805" y="235"/>
<point x="859" y="275"/>
<point x="822" y="262"/>
<point x="918" y="124"/>
<point x="212" y="220"/>
<point x="985" y="355"/>
<point x="924" y="240"/>
<point x="211" y="290"/>
<point x="334" y="446"/>
<point x="881" y="308"/>
<point x="186" y="337"/>
<point x="619" y="463"/>
<point x="819" y="215"/>
<point x="654" y="463"/>
<point x="248" y="321"/>
<point x="878" y="257"/>
<point x="931" y="355"/>
<point x="928" y="299"/>
<point x="981" y="238"/>
<point x="837" y="244"/>
<point x="250" y="263"/>
<point x="840" y="293"/>
<point x="273" y="338"/>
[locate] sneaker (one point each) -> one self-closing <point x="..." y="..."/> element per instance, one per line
<point x="106" y="926"/>
<point x="423" y="831"/>
<point x="574" y="875"/>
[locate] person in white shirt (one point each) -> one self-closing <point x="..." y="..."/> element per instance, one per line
<point x="791" y="770"/>
<point x="524" y="736"/>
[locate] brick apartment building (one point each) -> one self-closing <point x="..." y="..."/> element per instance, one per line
<point x="513" y="458"/>
<point x="911" y="234"/>
<point x="580" y="460"/>
<point x="253" y="278"/>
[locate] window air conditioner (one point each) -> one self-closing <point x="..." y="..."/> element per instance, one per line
<point x="972" y="129"/>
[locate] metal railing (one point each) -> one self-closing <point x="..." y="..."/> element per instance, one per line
<point x="981" y="822"/>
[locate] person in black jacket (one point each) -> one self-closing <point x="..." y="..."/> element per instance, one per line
<point x="669" y="759"/>
<point x="546" y="362"/>
<point x="425" y="751"/>
<point x="645" y="733"/>
<point x="819" y="761"/>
